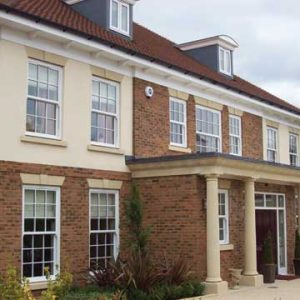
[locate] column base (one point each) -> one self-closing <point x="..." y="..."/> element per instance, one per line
<point x="252" y="280"/>
<point x="218" y="288"/>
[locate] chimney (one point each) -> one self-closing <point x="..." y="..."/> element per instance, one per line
<point x="215" y="52"/>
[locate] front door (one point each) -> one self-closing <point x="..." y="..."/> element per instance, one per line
<point x="266" y="221"/>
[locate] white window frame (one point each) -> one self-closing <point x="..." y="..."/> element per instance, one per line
<point x="58" y="103"/>
<point x="184" y="123"/>
<point x="117" y="216"/>
<point x="297" y="150"/>
<point x="275" y="130"/>
<point x="119" y="28"/>
<point x="223" y="70"/>
<point x="56" y="233"/>
<point x="239" y="137"/>
<point x="225" y="241"/>
<point x="115" y="115"/>
<point x="211" y="135"/>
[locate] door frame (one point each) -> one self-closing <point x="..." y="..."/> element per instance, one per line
<point x="281" y="270"/>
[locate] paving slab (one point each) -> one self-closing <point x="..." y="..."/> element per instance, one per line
<point x="280" y="290"/>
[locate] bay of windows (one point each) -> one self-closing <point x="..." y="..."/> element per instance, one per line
<point x="208" y="130"/>
<point x="43" y="99"/>
<point x="178" y="122"/>
<point x="235" y="135"/>
<point x="103" y="227"/>
<point x="272" y="144"/>
<point x="293" y="149"/>
<point x="119" y="16"/>
<point x="40" y="232"/>
<point x="104" y="119"/>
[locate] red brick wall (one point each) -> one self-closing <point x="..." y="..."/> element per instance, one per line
<point x="74" y="212"/>
<point x="151" y="125"/>
<point x="252" y="138"/>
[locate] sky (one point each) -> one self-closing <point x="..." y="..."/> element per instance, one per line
<point x="267" y="32"/>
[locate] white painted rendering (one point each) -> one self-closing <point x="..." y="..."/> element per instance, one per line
<point x="76" y="116"/>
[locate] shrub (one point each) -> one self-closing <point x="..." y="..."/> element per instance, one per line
<point x="268" y="256"/>
<point x="12" y="288"/>
<point x="138" y="235"/>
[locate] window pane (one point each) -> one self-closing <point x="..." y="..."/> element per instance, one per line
<point x="271" y="201"/>
<point x="32" y="88"/>
<point x="115" y="15"/>
<point x="33" y="72"/>
<point x="53" y="77"/>
<point x="259" y="200"/>
<point x="125" y="18"/>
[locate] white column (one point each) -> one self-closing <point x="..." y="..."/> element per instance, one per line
<point x="212" y="230"/>
<point x="251" y="277"/>
<point x="250" y="229"/>
<point x="214" y="283"/>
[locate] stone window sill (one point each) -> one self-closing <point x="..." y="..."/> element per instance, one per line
<point x="35" y="286"/>
<point x="43" y="141"/>
<point x="180" y="149"/>
<point x="227" y="247"/>
<point x="105" y="150"/>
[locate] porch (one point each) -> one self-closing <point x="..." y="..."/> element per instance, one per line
<point x="253" y="176"/>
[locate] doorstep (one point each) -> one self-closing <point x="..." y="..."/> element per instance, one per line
<point x="201" y="297"/>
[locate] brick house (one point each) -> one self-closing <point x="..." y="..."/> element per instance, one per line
<point x="94" y="102"/>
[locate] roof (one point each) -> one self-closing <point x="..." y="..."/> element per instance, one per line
<point x="145" y="43"/>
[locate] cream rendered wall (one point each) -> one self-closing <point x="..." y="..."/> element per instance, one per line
<point x="76" y="116"/>
<point x="283" y="140"/>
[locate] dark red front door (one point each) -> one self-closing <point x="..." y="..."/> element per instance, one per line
<point x="266" y="221"/>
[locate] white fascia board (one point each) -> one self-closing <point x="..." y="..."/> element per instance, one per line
<point x="183" y="82"/>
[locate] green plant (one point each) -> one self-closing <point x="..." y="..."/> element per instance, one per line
<point x="12" y="288"/>
<point x="139" y="236"/>
<point x="58" y="288"/>
<point x="268" y="256"/>
<point x="297" y="245"/>
<point x="176" y="271"/>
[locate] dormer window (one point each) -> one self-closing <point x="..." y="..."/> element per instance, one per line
<point x="225" y="61"/>
<point x="119" y="16"/>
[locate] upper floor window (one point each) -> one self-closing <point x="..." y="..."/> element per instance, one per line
<point x="41" y="223"/>
<point x="104" y="228"/>
<point x="43" y="100"/>
<point x="177" y="122"/>
<point x="272" y="144"/>
<point x="235" y="135"/>
<point x="223" y="218"/>
<point x="119" y="16"/>
<point x="293" y="149"/>
<point x="208" y="130"/>
<point x="225" y="64"/>
<point x="105" y="112"/>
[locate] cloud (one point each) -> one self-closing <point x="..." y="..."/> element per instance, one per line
<point x="266" y="31"/>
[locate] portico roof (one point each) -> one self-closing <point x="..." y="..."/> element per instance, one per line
<point x="224" y="165"/>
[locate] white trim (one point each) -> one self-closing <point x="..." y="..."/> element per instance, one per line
<point x="116" y="145"/>
<point x="119" y="28"/>
<point x="236" y="136"/>
<point x="135" y="66"/>
<point x="227" y="53"/>
<point x="117" y="218"/>
<point x="275" y="150"/>
<point x="281" y="271"/>
<point x="226" y="216"/>
<point x="56" y="267"/>
<point x="297" y="150"/>
<point x="184" y="123"/>
<point x="220" y="124"/>
<point x="58" y="103"/>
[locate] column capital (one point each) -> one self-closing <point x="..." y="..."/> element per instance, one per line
<point x="212" y="176"/>
<point x="250" y="179"/>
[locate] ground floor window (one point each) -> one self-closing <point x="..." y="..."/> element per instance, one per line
<point x="223" y="217"/>
<point x="104" y="223"/>
<point x="40" y="247"/>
